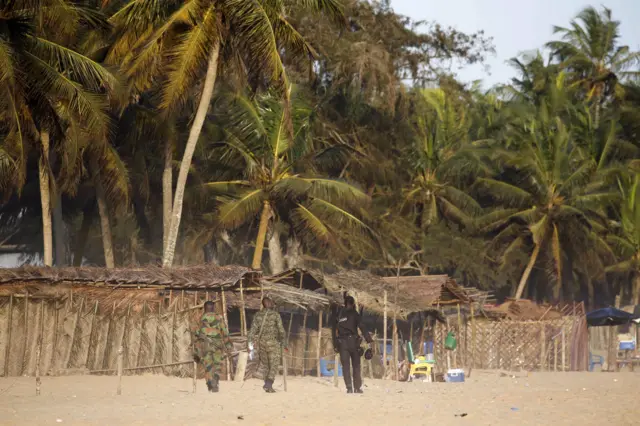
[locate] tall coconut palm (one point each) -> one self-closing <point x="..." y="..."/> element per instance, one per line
<point x="277" y="180"/>
<point x="441" y="128"/>
<point x="590" y="49"/>
<point x="182" y="40"/>
<point x="625" y="238"/>
<point x="542" y="181"/>
<point x="43" y="79"/>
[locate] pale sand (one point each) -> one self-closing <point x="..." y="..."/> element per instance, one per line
<point x="487" y="399"/>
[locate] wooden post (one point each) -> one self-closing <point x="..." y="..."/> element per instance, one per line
<point x="304" y="344"/>
<point x="555" y="354"/>
<point x="384" y="337"/>
<point x="39" y="347"/>
<point x="459" y="337"/>
<point x="284" y="370"/>
<point x="542" y="347"/>
<point x="444" y="338"/>
<point x="473" y="338"/>
<point x="120" y="366"/>
<point x="241" y="368"/>
<point x="563" y="348"/>
<point x="424" y="326"/>
<point x="243" y="313"/>
<point x="395" y="325"/>
<point x="173" y="332"/>
<point x="143" y="330"/>
<point x="227" y="364"/>
<point x="319" y="342"/>
<point x="23" y="358"/>
<point x="336" y="363"/>
<point x="7" y="349"/>
<point x="195" y="374"/>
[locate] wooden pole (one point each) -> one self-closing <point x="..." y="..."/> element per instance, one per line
<point x="424" y="326"/>
<point x="319" y="342"/>
<point x="473" y="338"/>
<point x="542" y="347"/>
<point x="384" y="337"/>
<point x="459" y="337"/>
<point x="195" y="375"/>
<point x="7" y="349"/>
<point x="395" y="325"/>
<point x="336" y="363"/>
<point x="444" y="338"/>
<point x="39" y="347"/>
<point x="305" y="343"/>
<point x="120" y="366"/>
<point x="241" y="367"/>
<point x="227" y="364"/>
<point x="243" y="314"/>
<point x="23" y="358"/>
<point x="563" y="348"/>
<point x="143" y="331"/>
<point x="555" y="354"/>
<point x="284" y="370"/>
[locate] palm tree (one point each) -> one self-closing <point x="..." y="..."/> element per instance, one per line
<point x="542" y="183"/>
<point x="441" y="129"/>
<point x="625" y="238"/>
<point x="589" y="49"/>
<point x="277" y="181"/>
<point x="45" y="83"/>
<point x="181" y="39"/>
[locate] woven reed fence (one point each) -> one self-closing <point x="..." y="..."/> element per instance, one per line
<point x="546" y="345"/>
<point x="79" y="335"/>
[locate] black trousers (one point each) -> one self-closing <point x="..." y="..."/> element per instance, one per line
<point x="349" y="357"/>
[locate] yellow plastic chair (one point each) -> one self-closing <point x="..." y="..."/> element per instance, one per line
<point x="423" y="367"/>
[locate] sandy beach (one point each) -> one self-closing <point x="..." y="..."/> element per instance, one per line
<point x="484" y="399"/>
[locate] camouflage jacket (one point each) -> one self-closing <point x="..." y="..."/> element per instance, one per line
<point x="272" y="329"/>
<point x="213" y="334"/>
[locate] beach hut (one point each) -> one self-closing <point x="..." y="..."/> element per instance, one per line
<point x="68" y="320"/>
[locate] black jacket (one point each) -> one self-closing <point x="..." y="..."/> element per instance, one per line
<point x="347" y="323"/>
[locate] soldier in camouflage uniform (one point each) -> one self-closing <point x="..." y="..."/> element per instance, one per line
<point x="212" y="345"/>
<point x="267" y="333"/>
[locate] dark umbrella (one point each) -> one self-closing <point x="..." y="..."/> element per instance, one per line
<point x="608" y="317"/>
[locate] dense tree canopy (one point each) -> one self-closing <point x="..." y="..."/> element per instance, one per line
<point x="319" y="132"/>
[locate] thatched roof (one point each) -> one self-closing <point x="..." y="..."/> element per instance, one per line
<point x="136" y="287"/>
<point x="430" y="290"/>
<point x="524" y="310"/>
<point x="201" y="277"/>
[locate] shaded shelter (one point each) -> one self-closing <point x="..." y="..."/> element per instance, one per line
<point x="610" y="317"/>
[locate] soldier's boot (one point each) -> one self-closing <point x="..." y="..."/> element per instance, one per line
<point x="358" y="391"/>
<point x="349" y="390"/>
<point x="209" y="385"/>
<point x="268" y="386"/>
<point x="214" y="384"/>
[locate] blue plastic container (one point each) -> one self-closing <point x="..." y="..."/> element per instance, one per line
<point x="324" y="368"/>
<point x="455" y="376"/>
<point x="627" y="345"/>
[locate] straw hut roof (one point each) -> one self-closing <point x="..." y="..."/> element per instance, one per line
<point x="524" y="310"/>
<point x="120" y="287"/>
<point x="201" y="277"/>
<point x="415" y="294"/>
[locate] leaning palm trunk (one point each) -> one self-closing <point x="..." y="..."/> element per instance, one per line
<point x="262" y="234"/>
<point x="527" y="271"/>
<point x="167" y="191"/>
<point x="45" y="200"/>
<point x="103" y="210"/>
<point x="276" y="258"/>
<point x="185" y="165"/>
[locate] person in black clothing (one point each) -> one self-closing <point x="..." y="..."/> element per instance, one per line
<point x="346" y="341"/>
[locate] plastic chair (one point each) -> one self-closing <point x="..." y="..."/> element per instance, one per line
<point x="595" y="360"/>
<point x="421" y="367"/>
<point x="327" y="367"/>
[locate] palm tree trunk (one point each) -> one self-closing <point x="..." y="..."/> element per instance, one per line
<point x="262" y="234"/>
<point x="45" y="200"/>
<point x="103" y="211"/>
<point x="185" y="165"/>
<point x="635" y="292"/>
<point x="527" y="271"/>
<point x="83" y="234"/>
<point x="167" y="191"/>
<point x="276" y="257"/>
<point x="59" y="232"/>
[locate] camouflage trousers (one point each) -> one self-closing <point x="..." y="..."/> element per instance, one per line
<point x="269" y="356"/>
<point x="212" y="363"/>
